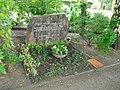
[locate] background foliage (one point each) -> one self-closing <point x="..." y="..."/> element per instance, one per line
<point x="28" y="8"/>
<point x="94" y="29"/>
<point x="5" y="22"/>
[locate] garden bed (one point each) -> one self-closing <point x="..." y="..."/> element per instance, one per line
<point x="50" y="66"/>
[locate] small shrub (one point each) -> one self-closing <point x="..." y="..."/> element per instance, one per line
<point x="106" y="39"/>
<point x="11" y="56"/>
<point x="100" y="33"/>
<point x="94" y="27"/>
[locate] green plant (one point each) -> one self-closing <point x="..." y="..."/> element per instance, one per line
<point x="59" y="49"/>
<point x="38" y="51"/>
<point x="94" y="29"/>
<point x="57" y="42"/>
<point x="2" y="65"/>
<point x="106" y="39"/>
<point x="3" y="68"/>
<point x="31" y="66"/>
<point x="99" y="32"/>
<point x="79" y="15"/>
<point x="35" y="49"/>
<point x="30" y="63"/>
<point x="74" y="17"/>
<point x="1" y="56"/>
<point x="5" y="23"/>
<point x="28" y="8"/>
<point x="11" y="56"/>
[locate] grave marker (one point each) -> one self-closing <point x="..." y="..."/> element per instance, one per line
<point x="47" y="28"/>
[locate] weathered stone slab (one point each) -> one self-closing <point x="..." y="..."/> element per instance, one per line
<point x="47" y="28"/>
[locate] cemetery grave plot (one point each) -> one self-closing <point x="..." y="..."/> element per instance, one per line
<point x="40" y="63"/>
<point x="50" y="66"/>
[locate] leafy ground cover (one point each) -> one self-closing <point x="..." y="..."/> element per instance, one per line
<point x="42" y="64"/>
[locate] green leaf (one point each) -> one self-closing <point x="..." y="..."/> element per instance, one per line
<point x="1" y="56"/>
<point x="3" y="69"/>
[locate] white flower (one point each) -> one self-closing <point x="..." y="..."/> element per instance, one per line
<point x="54" y="46"/>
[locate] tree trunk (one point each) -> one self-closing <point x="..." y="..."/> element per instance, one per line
<point x="115" y="23"/>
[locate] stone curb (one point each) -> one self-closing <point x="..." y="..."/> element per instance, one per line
<point x="68" y="77"/>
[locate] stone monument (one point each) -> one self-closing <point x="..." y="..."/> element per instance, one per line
<point x="47" y="28"/>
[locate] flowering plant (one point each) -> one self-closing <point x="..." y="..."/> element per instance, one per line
<point x="59" y="49"/>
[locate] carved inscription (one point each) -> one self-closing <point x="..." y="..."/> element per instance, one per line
<point x="49" y="29"/>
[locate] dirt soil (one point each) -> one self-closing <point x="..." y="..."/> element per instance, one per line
<point x="15" y="78"/>
<point x="55" y="63"/>
<point x="112" y="58"/>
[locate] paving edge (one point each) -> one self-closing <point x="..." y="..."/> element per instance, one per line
<point x="67" y="77"/>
